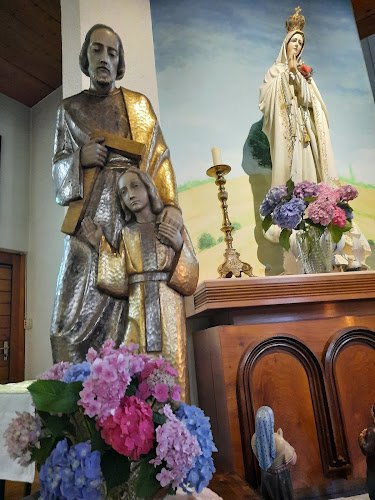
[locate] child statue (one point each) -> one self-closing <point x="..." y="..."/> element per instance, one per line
<point x="275" y="456"/>
<point x="153" y="275"/>
<point x="367" y="444"/>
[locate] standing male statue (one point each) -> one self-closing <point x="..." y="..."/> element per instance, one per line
<point x="99" y="133"/>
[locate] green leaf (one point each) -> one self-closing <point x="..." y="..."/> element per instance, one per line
<point x="336" y="232"/>
<point x="41" y="454"/>
<point x="131" y="390"/>
<point x="147" y="484"/>
<point x="267" y="223"/>
<point x="57" y="425"/>
<point x="172" y="491"/>
<point x="310" y="198"/>
<point x="289" y="186"/>
<point x="54" y="396"/>
<point x="284" y="238"/>
<point x="158" y="418"/>
<point x="348" y="226"/>
<point x="115" y="468"/>
<point x="97" y="442"/>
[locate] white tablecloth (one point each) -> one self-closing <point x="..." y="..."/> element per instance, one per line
<point x="14" y="397"/>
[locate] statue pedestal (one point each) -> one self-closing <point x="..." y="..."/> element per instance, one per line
<point x="304" y="345"/>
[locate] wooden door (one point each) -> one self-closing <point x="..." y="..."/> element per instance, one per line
<point x="12" y="311"/>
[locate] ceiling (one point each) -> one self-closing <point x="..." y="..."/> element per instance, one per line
<point x="30" y="45"/>
<point x="30" y="49"/>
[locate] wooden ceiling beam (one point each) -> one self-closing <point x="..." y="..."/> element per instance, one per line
<point x="19" y="85"/>
<point x="33" y="33"/>
<point x="364" y="14"/>
<point x="52" y="7"/>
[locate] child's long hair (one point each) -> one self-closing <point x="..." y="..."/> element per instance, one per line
<point x="156" y="204"/>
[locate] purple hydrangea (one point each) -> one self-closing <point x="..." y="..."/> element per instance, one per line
<point x="56" y="372"/>
<point x="198" y="425"/>
<point x="306" y="189"/>
<point x="348" y="193"/>
<point x="176" y="450"/>
<point x="71" y="473"/>
<point x="271" y="200"/>
<point x="23" y="432"/>
<point x="290" y="214"/>
<point x="77" y="373"/>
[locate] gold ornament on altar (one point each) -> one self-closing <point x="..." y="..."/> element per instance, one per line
<point x="296" y="21"/>
<point x="232" y="265"/>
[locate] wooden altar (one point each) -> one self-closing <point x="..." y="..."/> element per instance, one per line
<point x="304" y="345"/>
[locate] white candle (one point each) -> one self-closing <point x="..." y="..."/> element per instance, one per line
<point x="216" y="155"/>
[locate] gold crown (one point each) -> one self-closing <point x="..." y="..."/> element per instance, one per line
<point x="295" y="22"/>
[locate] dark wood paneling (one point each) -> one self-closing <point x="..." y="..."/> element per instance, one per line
<point x="350" y="370"/>
<point x="364" y="13"/>
<point x="5" y="297"/>
<point x="4" y="322"/>
<point x="5" y="272"/>
<point x="5" y="285"/>
<point x="5" y="309"/>
<point x="25" y="88"/>
<point x="355" y="367"/>
<point x="30" y="49"/>
<point x="280" y="381"/>
<point x="17" y="335"/>
<point x="4" y="333"/>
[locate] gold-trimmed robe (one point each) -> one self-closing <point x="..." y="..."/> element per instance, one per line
<point x="122" y="273"/>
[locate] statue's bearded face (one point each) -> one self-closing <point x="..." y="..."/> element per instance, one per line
<point x="103" y="57"/>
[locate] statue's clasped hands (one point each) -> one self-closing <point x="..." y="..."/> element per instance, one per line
<point x="94" y="153"/>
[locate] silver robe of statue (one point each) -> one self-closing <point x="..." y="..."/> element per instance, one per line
<point x="83" y="316"/>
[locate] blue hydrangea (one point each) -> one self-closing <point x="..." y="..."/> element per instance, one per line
<point x="199" y="425"/>
<point x="289" y="214"/>
<point x="271" y="200"/>
<point x="71" y="473"/>
<point x="348" y="212"/>
<point x="77" y="373"/>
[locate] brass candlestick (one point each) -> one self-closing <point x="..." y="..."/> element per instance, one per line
<point x="232" y="264"/>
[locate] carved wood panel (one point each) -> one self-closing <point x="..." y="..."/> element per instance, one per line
<point x="350" y="374"/>
<point x="283" y="373"/>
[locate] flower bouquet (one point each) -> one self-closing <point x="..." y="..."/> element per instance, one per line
<point x="314" y="210"/>
<point x="113" y="427"/>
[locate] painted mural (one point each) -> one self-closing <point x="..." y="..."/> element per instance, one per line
<point x="211" y="57"/>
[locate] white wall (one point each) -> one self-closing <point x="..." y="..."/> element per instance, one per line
<point x="45" y="238"/>
<point x="14" y="174"/>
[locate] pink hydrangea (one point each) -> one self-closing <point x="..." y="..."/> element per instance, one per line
<point x="339" y="218"/>
<point x="348" y="193"/>
<point x="321" y="211"/>
<point x="158" y="379"/>
<point x="328" y="193"/>
<point x="23" y="432"/>
<point x="56" y="372"/>
<point x="176" y="450"/>
<point x="111" y="370"/>
<point x="130" y="431"/>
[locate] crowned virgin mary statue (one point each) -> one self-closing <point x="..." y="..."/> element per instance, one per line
<point x="297" y="127"/>
<point x="295" y="116"/>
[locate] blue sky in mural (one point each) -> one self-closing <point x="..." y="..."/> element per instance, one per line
<point x="211" y="58"/>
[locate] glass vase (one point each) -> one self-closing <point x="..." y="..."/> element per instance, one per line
<point x="315" y="250"/>
<point x="127" y="491"/>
